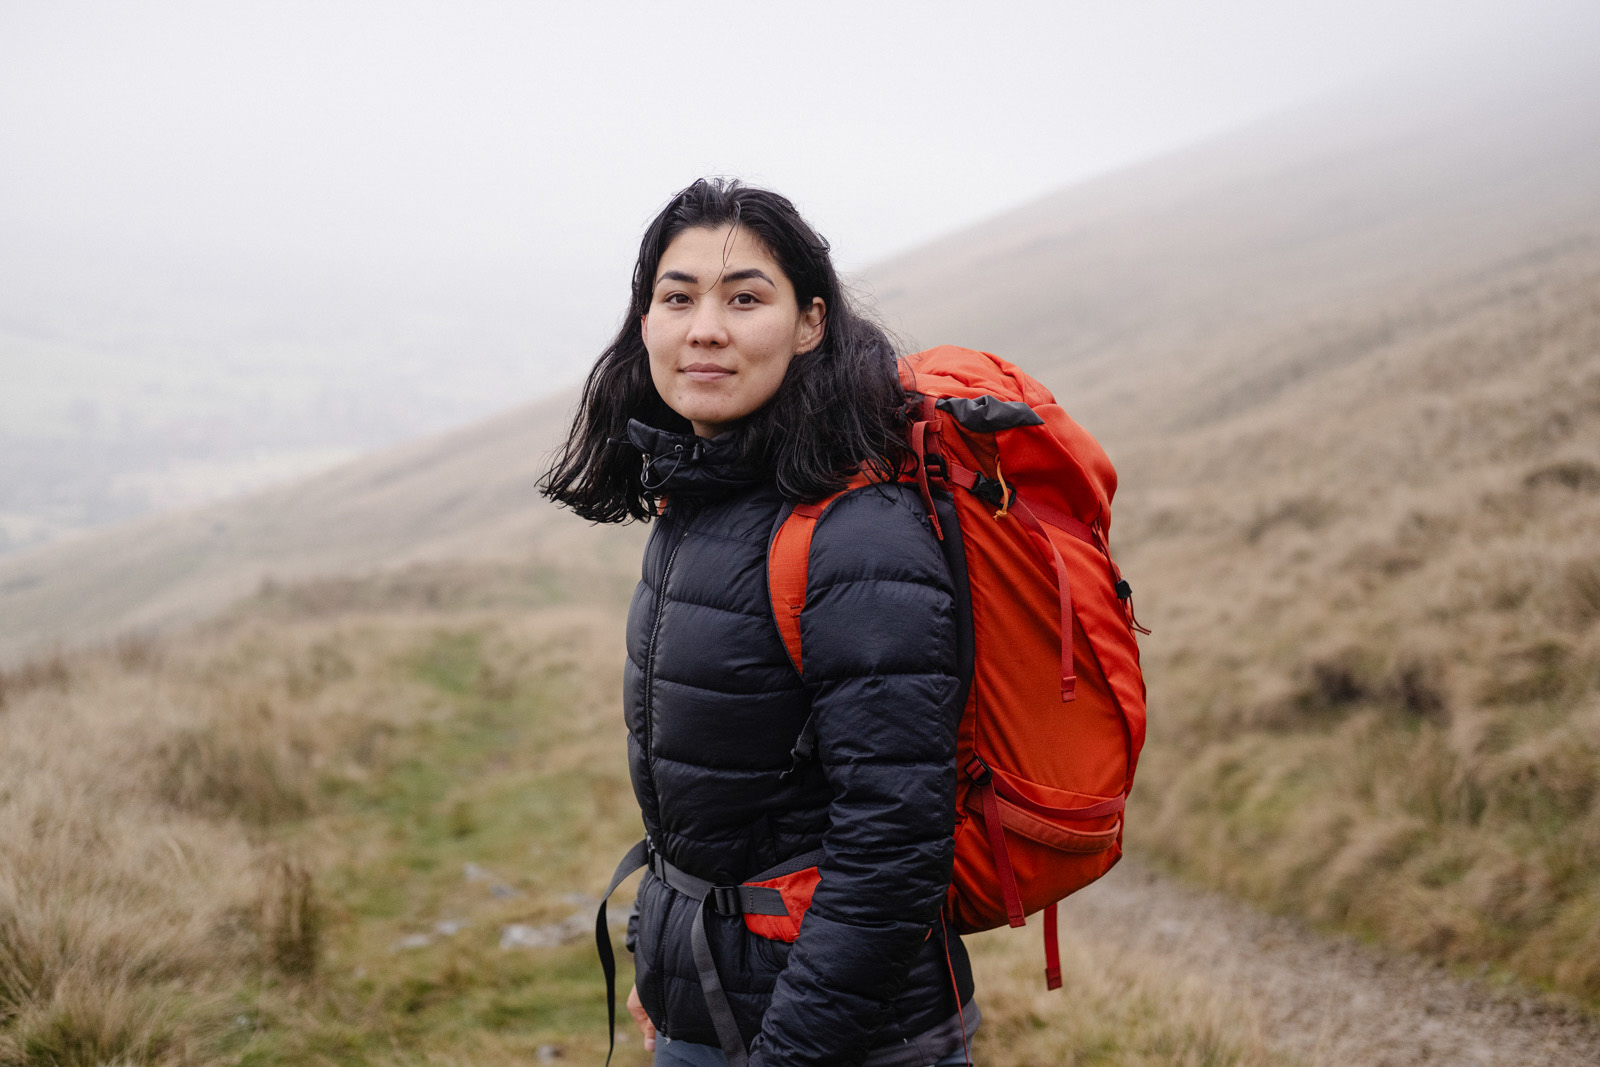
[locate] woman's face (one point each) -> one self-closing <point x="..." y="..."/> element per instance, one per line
<point x="722" y="327"/>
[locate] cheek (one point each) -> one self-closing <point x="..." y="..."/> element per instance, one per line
<point x="657" y="356"/>
<point x="776" y="345"/>
<point x="772" y="376"/>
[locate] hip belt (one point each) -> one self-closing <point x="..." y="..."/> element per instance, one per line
<point x="773" y="904"/>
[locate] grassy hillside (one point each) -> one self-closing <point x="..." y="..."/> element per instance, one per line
<point x="1376" y="666"/>
<point x="346" y="825"/>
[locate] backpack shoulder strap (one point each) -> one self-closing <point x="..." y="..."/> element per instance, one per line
<point x="788" y="565"/>
<point x="789" y="562"/>
<point x="788" y="568"/>
<point x="788" y="571"/>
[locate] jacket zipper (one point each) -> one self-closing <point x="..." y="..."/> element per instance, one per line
<point x="649" y="727"/>
<point x="650" y="661"/>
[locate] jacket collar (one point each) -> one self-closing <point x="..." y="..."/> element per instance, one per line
<point x="686" y="465"/>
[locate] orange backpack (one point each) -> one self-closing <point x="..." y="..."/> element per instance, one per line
<point x="1055" y="710"/>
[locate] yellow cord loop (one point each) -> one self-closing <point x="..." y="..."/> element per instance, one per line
<point x="1005" y="493"/>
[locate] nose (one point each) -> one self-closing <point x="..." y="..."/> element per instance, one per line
<point x="706" y="327"/>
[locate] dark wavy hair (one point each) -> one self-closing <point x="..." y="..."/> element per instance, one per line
<point x="836" y="410"/>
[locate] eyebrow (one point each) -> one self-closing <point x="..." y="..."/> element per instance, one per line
<point x="748" y="273"/>
<point x="732" y="276"/>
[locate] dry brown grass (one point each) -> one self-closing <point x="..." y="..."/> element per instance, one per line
<point x="216" y="848"/>
<point x="147" y="878"/>
<point x="1112" y="1008"/>
<point x="1376" y="666"/>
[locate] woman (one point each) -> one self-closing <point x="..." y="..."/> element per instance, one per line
<point x="742" y="382"/>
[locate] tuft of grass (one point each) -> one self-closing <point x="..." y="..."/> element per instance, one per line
<point x="1577" y="475"/>
<point x="1309" y="513"/>
<point x="290" y="919"/>
<point x="84" y="1024"/>
<point x="49" y="672"/>
<point x="239" y="767"/>
<point x="1578" y="593"/>
<point x="1123" y="1010"/>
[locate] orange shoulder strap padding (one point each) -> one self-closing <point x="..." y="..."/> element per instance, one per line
<point x="789" y="560"/>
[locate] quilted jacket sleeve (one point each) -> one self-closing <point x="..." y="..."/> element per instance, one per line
<point x="879" y="637"/>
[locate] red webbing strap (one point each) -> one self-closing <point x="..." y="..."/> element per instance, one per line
<point x="919" y="447"/>
<point x="1067" y="524"/>
<point x="997" y="845"/>
<point x="1052" y="950"/>
<point x="955" y="988"/>
<point x="1069" y="681"/>
<point x="963" y="476"/>
<point x="966" y="478"/>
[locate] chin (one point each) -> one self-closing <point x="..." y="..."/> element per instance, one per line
<point x="713" y="416"/>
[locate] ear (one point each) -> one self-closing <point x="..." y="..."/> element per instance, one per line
<point x="644" y="329"/>
<point x="808" y="330"/>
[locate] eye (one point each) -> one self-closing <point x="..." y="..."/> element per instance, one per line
<point x="745" y="299"/>
<point x="676" y="299"/>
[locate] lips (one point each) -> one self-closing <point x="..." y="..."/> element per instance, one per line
<point x="706" y="372"/>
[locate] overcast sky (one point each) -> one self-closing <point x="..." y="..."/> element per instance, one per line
<point x="432" y="135"/>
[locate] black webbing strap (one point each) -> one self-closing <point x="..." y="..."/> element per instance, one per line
<point x="805" y="746"/>
<point x="717" y="1005"/>
<point x="637" y="857"/>
<point x="725" y="899"/>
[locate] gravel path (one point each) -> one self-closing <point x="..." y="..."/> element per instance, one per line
<point x="1331" y="1002"/>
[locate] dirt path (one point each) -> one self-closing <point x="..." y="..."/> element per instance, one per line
<point x="1329" y="1001"/>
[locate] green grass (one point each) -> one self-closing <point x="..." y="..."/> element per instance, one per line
<point x="466" y="786"/>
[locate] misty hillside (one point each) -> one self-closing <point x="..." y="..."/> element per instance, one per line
<point x="1193" y="287"/>
<point x="140" y="379"/>
<point x="468" y="495"/>
<point x="1190" y="296"/>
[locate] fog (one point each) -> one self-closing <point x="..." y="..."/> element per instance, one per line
<point x="239" y="242"/>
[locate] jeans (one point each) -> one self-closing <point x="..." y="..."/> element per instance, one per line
<point x="686" y="1054"/>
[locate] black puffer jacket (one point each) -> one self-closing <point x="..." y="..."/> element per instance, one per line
<point x="714" y="707"/>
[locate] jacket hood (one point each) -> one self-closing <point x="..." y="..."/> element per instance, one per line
<point x="683" y="464"/>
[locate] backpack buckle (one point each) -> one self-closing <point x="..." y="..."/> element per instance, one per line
<point x="933" y="463"/>
<point x="993" y="491"/>
<point x="979" y="771"/>
<point x="725" y="900"/>
<point x="798" y="755"/>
